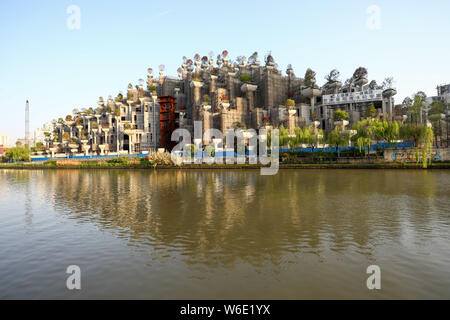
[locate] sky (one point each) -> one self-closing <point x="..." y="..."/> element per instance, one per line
<point x="47" y="59"/>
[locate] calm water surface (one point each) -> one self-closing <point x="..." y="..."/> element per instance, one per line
<point x="225" y="234"/>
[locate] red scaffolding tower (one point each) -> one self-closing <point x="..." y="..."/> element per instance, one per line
<point x="167" y="123"/>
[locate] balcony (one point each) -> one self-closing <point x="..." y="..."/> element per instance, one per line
<point x="359" y="96"/>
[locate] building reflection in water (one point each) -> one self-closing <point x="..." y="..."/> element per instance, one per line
<point x="218" y="217"/>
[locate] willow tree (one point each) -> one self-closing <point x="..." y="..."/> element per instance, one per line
<point x="422" y="137"/>
<point x="390" y="131"/>
<point x="383" y="130"/>
<point x="338" y="138"/>
<point x="297" y="139"/>
<point x="18" y="154"/>
<point x="284" y="136"/>
<point x="427" y="141"/>
<point x="312" y="136"/>
<point x="363" y="135"/>
<point x="416" y="108"/>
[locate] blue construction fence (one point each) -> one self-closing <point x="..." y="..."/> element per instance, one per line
<point x="374" y="147"/>
<point x="93" y="157"/>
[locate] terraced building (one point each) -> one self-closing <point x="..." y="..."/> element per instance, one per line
<point x="221" y="94"/>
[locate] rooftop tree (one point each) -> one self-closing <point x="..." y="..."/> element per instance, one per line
<point x="253" y="58"/>
<point x="360" y="73"/>
<point x="310" y="78"/>
<point x="333" y="76"/>
<point x="388" y="83"/>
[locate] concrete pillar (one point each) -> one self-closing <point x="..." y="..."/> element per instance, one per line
<point x="230" y="85"/>
<point x="131" y="144"/>
<point x="223" y="117"/>
<point x="249" y="90"/>
<point x="198" y="149"/>
<point x="212" y="91"/>
<point x="182" y="114"/>
<point x="312" y="93"/>
<point x="212" y="86"/>
<point x="291" y="120"/>
<point x="117" y="136"/>
<point x="79" y="128"/>
<point x="53" y="150"/>
<point x="197" y="85"/>
<point x="106" y="131"/>
<point x="85" y="148"/>
<point x="206" y="123"/>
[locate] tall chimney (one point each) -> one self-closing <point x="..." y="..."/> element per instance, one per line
<point x="27" y="123"/>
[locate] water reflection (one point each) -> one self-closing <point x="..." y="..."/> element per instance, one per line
<point x="217" y="217"/>
<point x="201" y="234"/>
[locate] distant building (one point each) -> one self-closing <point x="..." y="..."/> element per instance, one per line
<point x="443" y="94"/>
<point x="356" y="104"/>
<point x="444" y="90"/>
<point x="23" y="142"/>
<point x="4" y="140"/>
<point x="39" y="134"/>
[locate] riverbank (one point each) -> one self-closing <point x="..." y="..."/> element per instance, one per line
<point x="134" y="166"/>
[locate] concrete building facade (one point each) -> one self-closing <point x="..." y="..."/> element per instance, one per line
<point x="219" y="93"/>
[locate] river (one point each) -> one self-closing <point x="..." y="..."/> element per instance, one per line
<point x="224" y="234"/>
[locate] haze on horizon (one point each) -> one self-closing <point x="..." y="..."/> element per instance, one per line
<point x="59" y="69"/>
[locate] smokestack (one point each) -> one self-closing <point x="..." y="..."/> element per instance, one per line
<point x="27" y="123"/>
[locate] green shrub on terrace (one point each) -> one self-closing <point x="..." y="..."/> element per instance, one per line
<point x="289" y="103"/>
<point x="340" y="115"/>
<point x="246" y="78"/>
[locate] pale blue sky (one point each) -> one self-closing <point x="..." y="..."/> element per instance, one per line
<point x="59" y="69"/>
